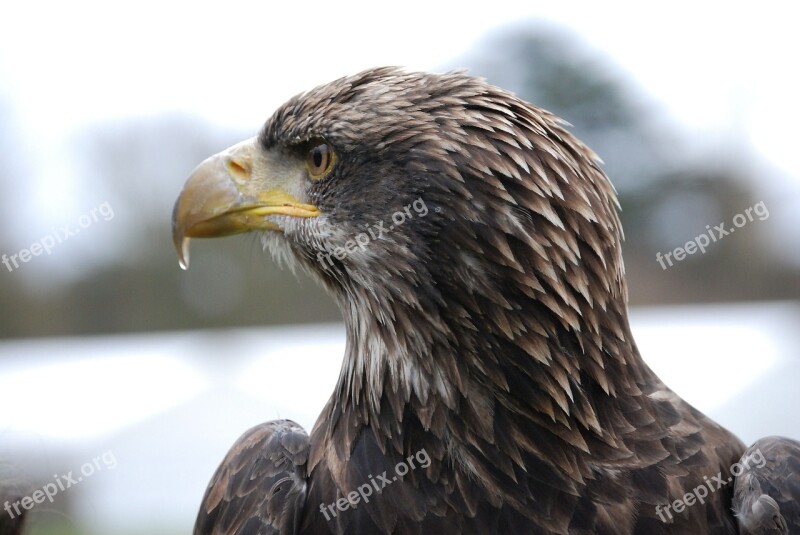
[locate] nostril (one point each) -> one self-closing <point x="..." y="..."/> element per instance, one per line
<point x="238" y="170"/>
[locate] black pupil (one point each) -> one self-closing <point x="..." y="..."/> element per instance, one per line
<point x="318" y="156"/>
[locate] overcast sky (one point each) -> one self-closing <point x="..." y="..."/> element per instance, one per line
<point x="721" y="71"/>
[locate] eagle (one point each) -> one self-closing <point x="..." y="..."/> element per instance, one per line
<point x="490" y="382"/>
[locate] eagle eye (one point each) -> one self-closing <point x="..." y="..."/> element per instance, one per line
<point x="319" y="160"/>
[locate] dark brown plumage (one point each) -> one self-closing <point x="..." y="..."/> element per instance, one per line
<point x="488" y="331"/>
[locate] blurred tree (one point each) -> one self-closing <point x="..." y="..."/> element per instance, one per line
<point x="12" y="297"/>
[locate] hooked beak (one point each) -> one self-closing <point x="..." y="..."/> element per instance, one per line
<point x="234" y="191"/>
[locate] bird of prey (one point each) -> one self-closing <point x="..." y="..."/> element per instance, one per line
<point x="490" y="381"/>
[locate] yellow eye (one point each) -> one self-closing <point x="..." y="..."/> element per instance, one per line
<point x="320" y="160"/>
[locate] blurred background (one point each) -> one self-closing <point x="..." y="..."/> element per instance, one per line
<point x="136" y="376"/>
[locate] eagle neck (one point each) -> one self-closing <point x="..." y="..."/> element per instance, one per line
<point x="403" y="374"/>
<point x="389" y="361"/>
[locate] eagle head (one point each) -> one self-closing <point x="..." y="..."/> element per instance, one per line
<point x="450" y="220"/>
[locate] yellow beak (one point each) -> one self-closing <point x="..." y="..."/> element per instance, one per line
<point x="232" y="192"/>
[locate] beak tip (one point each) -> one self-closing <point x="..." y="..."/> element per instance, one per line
<point x="183" y="253"/>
